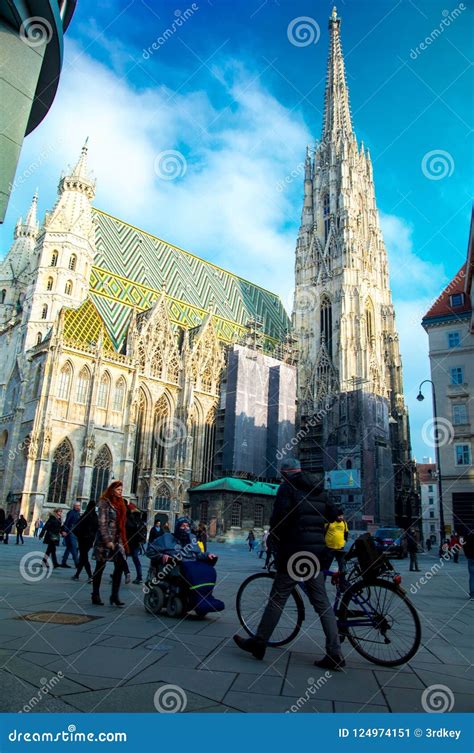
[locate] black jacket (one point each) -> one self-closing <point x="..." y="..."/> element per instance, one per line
<point x="412" y="544"/>
<point x="136" y="529"/>
<point x="51" y="530"/>
<point x="21" y="524"/>
<point x="469" y="546"/>
<point x="154" y="534"/>
<point x="300" y="512"/>
<point x="86" y="528"/>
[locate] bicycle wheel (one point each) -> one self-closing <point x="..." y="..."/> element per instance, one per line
<point x="252" y="598"/>
<point x="381" y="623"/>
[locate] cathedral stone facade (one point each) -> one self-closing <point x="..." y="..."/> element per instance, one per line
<point x="351" y="405"/>
<point x="113" y="347"/>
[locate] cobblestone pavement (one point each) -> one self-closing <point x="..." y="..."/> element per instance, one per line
<point x="119" y="660"/>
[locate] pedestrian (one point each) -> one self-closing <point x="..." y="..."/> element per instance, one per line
<point x="85" y="531"/>
<point x="412" y="548"/>
<point x="251" y="540"/>
<point x="300" y="512"/>
<point x="111" y="542"/>
<point x="428" y="544"/>
<point x="69" y="534"/>
<point x="155" y="530"/>
<point x="202" y="536"/>
<point x="2" y="523"/>
<point x="335" y="538"/>
<point x="454" y="547"/>
<point x="263" y="545"/>
<point x="51" y="534"/>
<point x="136" y="535"/>
<point x="21" y="524"/>
<point x="166" y="527"/>
<point x="36" y="528"/>
<point x="469" y="553"/>
<point x="8" y="527"/>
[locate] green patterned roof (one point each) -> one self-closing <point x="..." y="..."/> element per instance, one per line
<point x="131" y="268"/>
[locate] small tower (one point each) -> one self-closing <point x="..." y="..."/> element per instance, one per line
<point x="15" y="268"/>
<point x="64" y="253"/>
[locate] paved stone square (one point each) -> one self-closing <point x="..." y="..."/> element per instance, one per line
<point x="120" y="660"/>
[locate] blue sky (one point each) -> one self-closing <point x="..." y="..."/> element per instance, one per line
<point x="238" y="101"/>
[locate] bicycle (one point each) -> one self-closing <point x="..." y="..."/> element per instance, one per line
<point x="372" y="610"/>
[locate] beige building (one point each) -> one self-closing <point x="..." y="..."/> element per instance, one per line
<point x="450" y="327"/>
<point x="430" y="522"/>
<point x="113" y="347"/>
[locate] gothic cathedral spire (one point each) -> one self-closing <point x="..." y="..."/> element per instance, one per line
<point x="343" y="316"/>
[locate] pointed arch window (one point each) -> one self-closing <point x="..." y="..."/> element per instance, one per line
<point x="206" y="379"/>
<point x="160" y="438"/>
<point x="163" y="498"/>
<point x="39" y="338"/>
<point x="326" y="323"/>
<point x="156" y="368"/>
<point x="65" y="377"/>
<point x="60" y="477"/>
<point x="101" y="472"/>
<point x="141" y="357"/>
<point x="209" y="438"/>
<point x="3" y="295"/>
<point x="139" y="436"/>
<point x="104" y="389"/>
<point x="369" y="321"/>
<point x="37" y="382"/>
<point x="68" y="288"/>
<point x="173" y="369"/>
<point x="326" y="216"/>
<point x="83" y="384"/>
<point x="44" y="311"/>
<point x="72" y="262"/>
<point x="119" y="394"/>
<point x="49" y="284"/>
<point x="54" y="259"/>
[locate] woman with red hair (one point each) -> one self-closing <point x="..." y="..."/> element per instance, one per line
<point x="111" y="542"/>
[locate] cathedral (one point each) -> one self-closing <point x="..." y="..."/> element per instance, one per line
<point x="352" y="414"/>
<point x="113" y="348"/>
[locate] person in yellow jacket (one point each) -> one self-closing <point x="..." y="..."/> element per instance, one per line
<point x="335" y="538"/>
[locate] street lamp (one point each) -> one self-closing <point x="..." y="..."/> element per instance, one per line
<point x="421" y="397"/>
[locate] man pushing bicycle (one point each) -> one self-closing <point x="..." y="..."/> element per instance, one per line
<point x="297" y="529"/>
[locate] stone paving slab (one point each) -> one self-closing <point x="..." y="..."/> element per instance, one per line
<point x="117" y="662"/>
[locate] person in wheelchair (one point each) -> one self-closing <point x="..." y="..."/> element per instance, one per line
<point x="182" y="577"/>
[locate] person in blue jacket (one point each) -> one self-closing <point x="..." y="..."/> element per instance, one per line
<point x="182" y="544"/>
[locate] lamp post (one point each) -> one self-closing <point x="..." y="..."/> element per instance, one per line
<point x="421" y="397"/>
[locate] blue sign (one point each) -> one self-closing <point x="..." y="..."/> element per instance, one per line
<point x="346" y="479"/>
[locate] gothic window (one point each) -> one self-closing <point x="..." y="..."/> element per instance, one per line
<point x="173" y="370"/>
<point x="160" y="432"/>
<point x="195" y="462"/>
<point x="206" y="379"/>
<point x="326" y="216"/>
<point x="101" y="472"/>
<point x="44" y="312"/>
<point x="39" y="338"/>
<point x="204" y="512"/>
<point x="72" y="262"/>
<point x="37" y="382"/>
<point x="68" y="288"/>
<point x="208" y="447"/>
<point x="156" y="368"/>
<point x="83" y="382"/>
<point x="369" y="320"/>
<point x="139" y="435"/>
<point x="258" y="517"/>
<point x="326" y="323"/>
<point x="163" y="498"/>
<point x="348" y="464"/>
<point x="49" y="284"/>
<point x="65" y="377"/>
<point x="3" y="295"/>
<point x="60" y="474"/>
<point x="104" y="389"/>
<point x="54" y="259"/>
<point x="236" y="515"/>
<point x="119" y="394"/>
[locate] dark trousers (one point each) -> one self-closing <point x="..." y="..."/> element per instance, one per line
<point x="19" y="537"/>
<point x="118" y="562"/>
<point x="136" y="561"/>
<point x="340" y="557"/>
<point x="51" y="551"/>
<point x="84" y="547"/>
<point x="414" y="561"/>
<point x="315" y="589"/>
